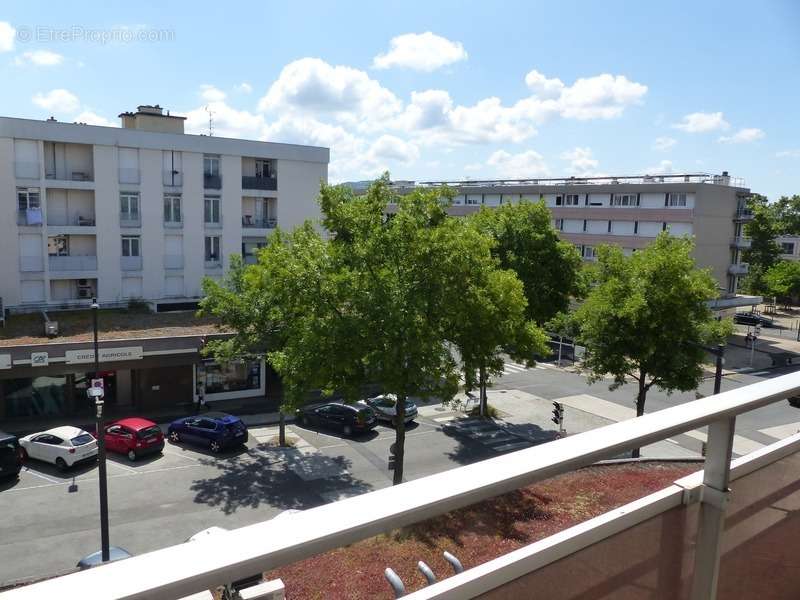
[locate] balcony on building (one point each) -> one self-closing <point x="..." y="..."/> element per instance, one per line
<point x="31" y="264"/>
<point x="212" y="177"/>
<point x="259" y="174"/>
<point x="70" y="210"/>
<point x="30" y="217"/>
<point x="129" y="175"/>
<point x="739" y="269"/>
<point x="212" y="182"/>
<point x="27" y="169"/>
<point x="68" y="253"/>
<point x="259" y="213"/>
<point x="173" y="261"/>
<point x="68" y="162"/>
<point x="73" y="292"/>
<point x="741" y="242"/>
<point x="130" y="263"/>
<point x="250" y="248"/>
<point x="130" y="219"/>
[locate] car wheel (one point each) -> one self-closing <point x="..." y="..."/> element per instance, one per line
<point x="132" y="455"/>
<point x="61" y="463"/>
<point x="24" y="454"/>
<point x="347" y="430"/>
<point x="216" y="447"/>
<point x="174" y="437"/>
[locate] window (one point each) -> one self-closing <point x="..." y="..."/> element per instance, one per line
<point x="559" y="200"/>
<point x="28" y="198"/>
<point x="211" y="210"/>
<point x="787" y="247"/>
<point x="624" y="200"/>
<point x="130" y="245"/>
<point x="211" y="166"/>
<point x="560" y="224"/>
<point x="588" y="252"/>
<point x="212" y="248"/>
<point x="58" y="246"/>
<point x="571" y="200"/>
<point x="129" y="205"/>
<point x="172" y="208"/>
<point x="235" y="376"/>
<point x="675" y="199"/>
<point x="263" y="168"/>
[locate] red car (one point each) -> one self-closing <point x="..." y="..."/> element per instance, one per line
<point x="134" y="437"/>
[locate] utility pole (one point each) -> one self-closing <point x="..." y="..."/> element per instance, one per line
<point x="97" y="394"/>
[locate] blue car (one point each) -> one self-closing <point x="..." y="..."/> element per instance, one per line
<point x="215" y="430"/>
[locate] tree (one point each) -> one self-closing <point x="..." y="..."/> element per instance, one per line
<point x="646" y="319"/>
<point x="787" y="210"/>
<point x="764" y="251"/>
<point x="783" y="281"/>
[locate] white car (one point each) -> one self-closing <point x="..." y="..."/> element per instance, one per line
<point x="62" y="446"/>
<point x="386" y="410"/>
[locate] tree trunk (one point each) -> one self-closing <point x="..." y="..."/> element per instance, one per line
<point x="484" y="403"/>
<point x="640" y="398"/>
<point x="399" y="439"/>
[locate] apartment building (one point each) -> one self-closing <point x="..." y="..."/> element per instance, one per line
<point x="143" y="211"/>
<point x="628" y="212"/>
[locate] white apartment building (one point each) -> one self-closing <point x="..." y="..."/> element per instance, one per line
<point x="628" y="212"/>
<point x="143" y="211"/>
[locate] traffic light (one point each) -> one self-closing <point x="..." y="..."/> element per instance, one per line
<point x="558" y="413"/>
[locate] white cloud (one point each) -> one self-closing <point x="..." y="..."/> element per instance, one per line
<point x="244" y="88"/>
<point x="7" y="35"/>
<point x="795" y="153"/>
<point x="92" y="118"/>
<point x="227" y="121"/>
<point x="601" y="97"/>
<point x="58" y="101"/>
<point x="389" y="147"/>
<point x="312" y="86"/>
<point x="210" y="93"/>
<point x="518" y="166"/>
<point x="664" y="167"/>
<point x="581" y="161"/>
<point x="664" y="143"/>
<point x="542" y="87"/>
<point x="39" y="58"/>
<point x="420" y="51"/>
<point x="700" y="122"/>
<point x="743" y="136"/>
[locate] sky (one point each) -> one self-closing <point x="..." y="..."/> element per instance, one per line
<point x="438" y="89"/>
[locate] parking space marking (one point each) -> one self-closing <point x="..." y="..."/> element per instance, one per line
<point x="179" y="454"/>
<point x="332" y="446"/>
<point x="45" y="477"/>
<point x="123" y="467"/>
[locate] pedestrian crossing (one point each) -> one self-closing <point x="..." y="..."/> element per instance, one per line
<point x="486" y="432"/>
<point x="510" y="367"/>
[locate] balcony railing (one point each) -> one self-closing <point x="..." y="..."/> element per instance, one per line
<point x="72" y="263"/>
<point x="212" y="182"/>
<point x="739" y="269"/>
<point x="74" y="221"/>
<point x="130" y="263"/>
<point x="130" y="220"/>
<point x="250" y="222"/>
<point x="173" y="261"/>
<point x="173" y="224"/>
<point x="30" y="217"/>
<point x="68" y="174"/>
<point x="213" y="224"/>
<point x="259" y="183"/>
<point x="31" y="263"/>
<point x="173" y="178"/>
<point x="213" y="263"/>
<point x="27" y="170"/>
<point x="184" y="569"/>
<point x="741" y="242"/>
<point x="128" y="175"/>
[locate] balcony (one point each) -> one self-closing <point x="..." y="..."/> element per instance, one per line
<point x="644" y="549"/>
<point x="259" y="183"/>
<point x="67" y="174"/>
<point x="213" y="264"/>
<point x="173" y="224"/>
<point x="31" y="264"/>
<point x="744" y="214"/>
<point x="173" y="178"/>
<point x="173" y="261"/>
<point x="127" y="219"/>
<point x="739" y="269"/>
<point x="213" y="224"/>
<point x="212" y="182"/>
<point x="130" y="263"/>
<point x="31" y="217"/>
<point x="741" y="242"/>
<point x="129" y="175"/>
<point x="86" y="220"/>
<point x="249" y="222"/>
<point x="72" y="263"/>
<point x="27" y="170"/>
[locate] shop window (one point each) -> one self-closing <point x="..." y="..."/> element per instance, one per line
<point x="235" y="376"/>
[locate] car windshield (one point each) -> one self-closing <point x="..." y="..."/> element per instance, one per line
<point x="82" y="439"/>
<point x="364" y="413"/>
<point x="148" y="432"/>
<point x="236" y="426"/>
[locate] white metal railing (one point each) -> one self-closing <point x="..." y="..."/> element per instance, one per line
<point x="27" y="170"/>
<point x="130" y="263"/>
<point x="739" y="269"/>
<point x="72" y="263"/>
<point x="129" y="219"/>
<point x="741" y="242"/>
<point x="707" y="178"/>
<point x="184" y="569"/>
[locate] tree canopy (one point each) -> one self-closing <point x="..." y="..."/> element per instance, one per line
<point x="764" y="251"/>
<point x="782" y="280"/>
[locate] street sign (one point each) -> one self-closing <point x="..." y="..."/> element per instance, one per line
<point x="98" y="383"/>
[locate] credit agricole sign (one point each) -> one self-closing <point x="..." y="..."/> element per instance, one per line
<point x="106" y="355"/>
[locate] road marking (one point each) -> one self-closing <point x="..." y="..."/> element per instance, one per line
<point x="673" y="441"/>
<point x="332" y="446"/>
<point x="123" y="467"/>
<point x="179" y="454"/>
<point x="45" y="477"/>
<point x="759" y="373"/>
<point x="444" y="419"/>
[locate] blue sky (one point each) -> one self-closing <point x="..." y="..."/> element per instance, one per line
<point x="436" y="89"/>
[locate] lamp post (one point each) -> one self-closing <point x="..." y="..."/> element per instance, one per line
<point x="97" y="394"/>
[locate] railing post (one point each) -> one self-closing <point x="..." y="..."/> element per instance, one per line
<point x="716" y="476"/>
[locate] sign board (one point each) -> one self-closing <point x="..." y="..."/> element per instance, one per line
<point x="74" y="357"/>
<point x="39" y="359"/>
<point x="5" y="361"/>
<point x="98" y="383"/>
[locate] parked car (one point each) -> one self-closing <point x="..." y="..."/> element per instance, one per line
<point x="347" y="418"/>
<point x="216" y="430"/>
<point x="134" y="437"/>
<point x="63" y="446"/>
<point x="10" y="455"/>
<point x="385" y="407"/>
<point x="751" y="318"/>
<point x="794" y="401"/>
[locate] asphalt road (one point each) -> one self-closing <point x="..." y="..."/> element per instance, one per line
<point x="50" y="519"/>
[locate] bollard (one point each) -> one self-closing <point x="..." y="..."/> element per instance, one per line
<point x="454" y="562"/>
<point x="395" y="581"/>
<point x="427" y="572"/>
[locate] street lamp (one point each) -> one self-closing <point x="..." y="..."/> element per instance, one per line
<point x="96" y="393"/>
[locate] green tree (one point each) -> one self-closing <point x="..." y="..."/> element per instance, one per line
<point x="646" y="318"/>
<point x="783" y="281"/>
<point x="787" y="209"/>
<point x="764" y="251"/>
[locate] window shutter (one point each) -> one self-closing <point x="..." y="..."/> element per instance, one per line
<point x="666" y="199"/>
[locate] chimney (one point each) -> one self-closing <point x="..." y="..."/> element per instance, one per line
<point x="152" y="118"/>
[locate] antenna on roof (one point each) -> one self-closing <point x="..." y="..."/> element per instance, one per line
<point x="210" y="120"/>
